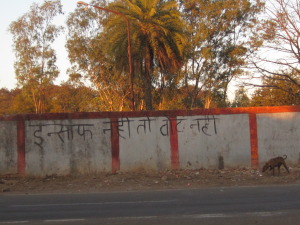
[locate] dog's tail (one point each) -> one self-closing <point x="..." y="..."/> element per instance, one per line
<point x="284" y="157"/>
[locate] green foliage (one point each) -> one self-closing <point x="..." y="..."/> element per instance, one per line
<point x="87" y="53"/>
<point x="279" y="70"/>
<point x="185" y="54"/>
<point x="63" y="98"/>
<point x="276" y="91"/>
<point x="6" y="101"/>
<point x="156" y="31"/>
<point x="22" y="102"/>
<point x="213" y="38"/>
<point x="69" y="98"/>
<point x="241" y="98"/>
<point x="33" y="33"/>
<point x="222" y="36"/>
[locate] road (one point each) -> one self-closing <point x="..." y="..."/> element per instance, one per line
<point x="231" y="205"/>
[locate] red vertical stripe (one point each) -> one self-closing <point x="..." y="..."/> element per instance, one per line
<point x="115" y="145"/>
<point x="253" y="140"/>
<point x="21" y="147"/>
<point x="174" y="143"/>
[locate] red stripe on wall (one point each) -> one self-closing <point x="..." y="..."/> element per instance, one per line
<point x="253" y="141"/>
<point x="21" y="147"/>
<point x="115" y="145"/>
<point x="174" y="143"/>
<point x="171" y="113"/>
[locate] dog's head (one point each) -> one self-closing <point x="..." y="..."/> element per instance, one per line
<point x="266" y="166"/>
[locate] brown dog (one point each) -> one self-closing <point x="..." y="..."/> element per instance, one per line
<point x="276" y="162"/>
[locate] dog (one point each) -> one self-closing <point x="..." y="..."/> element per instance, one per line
<point x="276" y="162"/>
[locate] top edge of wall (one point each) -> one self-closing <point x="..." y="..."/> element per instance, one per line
<point x="163" y="113"/>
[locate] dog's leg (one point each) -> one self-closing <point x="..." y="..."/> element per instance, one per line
<point x="287" y="169"/>
<point x="279" y="169"/>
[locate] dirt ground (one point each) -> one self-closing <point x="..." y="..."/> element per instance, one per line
<point x="143" y="180"/>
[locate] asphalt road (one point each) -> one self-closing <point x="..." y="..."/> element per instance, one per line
<point x="234" y="205"/>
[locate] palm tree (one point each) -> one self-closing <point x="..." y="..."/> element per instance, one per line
<point x="156" y="37"/>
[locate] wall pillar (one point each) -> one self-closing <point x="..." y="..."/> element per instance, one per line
<point x="253" y="141"/>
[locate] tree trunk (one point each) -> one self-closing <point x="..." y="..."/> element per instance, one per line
<point x="147" y="79"/>
<point x="148" y="91"/>
<point x="208" y="100"/>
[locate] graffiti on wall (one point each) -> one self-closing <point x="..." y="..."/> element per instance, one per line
<point x="126" y="127"/>
<point x="62" y="131"/>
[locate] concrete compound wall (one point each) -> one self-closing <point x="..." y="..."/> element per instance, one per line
<point x="88" y="143"/>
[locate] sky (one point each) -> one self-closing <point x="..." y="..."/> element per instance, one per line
<point x="10" y="11"/>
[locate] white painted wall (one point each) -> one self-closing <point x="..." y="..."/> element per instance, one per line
<point x="68" y="146"/>
<point x="84" y="145"/>
<point x="8" y="147"/>
<point x="279" y="134"/>
<point x="146" y="144"/>
<point x="226" y="135"/>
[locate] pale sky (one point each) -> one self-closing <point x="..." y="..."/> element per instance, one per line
<point x="11" y="10"/>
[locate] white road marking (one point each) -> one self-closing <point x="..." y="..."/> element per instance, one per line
<point x="192" y="216"/>
<point x="63" y="220"/>
<point x="229" y="215"/>
<point x="265" y="214"/>
<point x="14" y="222"/>
<point x="132" y="218"/>
<point x="91" y="203"/>
<point x="203" y="216"/>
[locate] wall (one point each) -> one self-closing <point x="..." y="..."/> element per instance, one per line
<point x="8" y="147"/>
<point x="279" y="133"/>
<point x="89" y="143"/>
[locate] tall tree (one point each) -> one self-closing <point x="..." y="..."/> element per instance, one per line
<point x="156" y="31"/>
<point x="222" y="36"/>
<point x="33" y="33"/>
<point x="89" y="59"/>
<point x="281" y="35"/>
